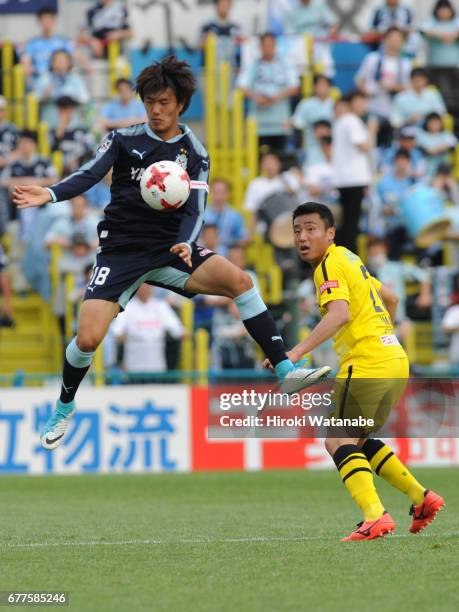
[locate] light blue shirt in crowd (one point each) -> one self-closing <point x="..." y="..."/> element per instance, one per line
<point x="269" y="79"/>
<point x="390" y="189"/>
<point x="71" y="85"/>
<point x="230" y="224"/>
<point x="308" y="112"/>
<point x="417" y="159"/>
<point x="315" y="18"/>
<point x="428" y="140"/>
<point x="408" y="103"/>
<point x="438" y="52"/>
<point x="41" y="49"/>
<point x="115" y="110"/>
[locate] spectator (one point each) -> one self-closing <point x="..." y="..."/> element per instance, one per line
<point x="442" y="35"/>
<point x="407" y="141"/>
<point x="229" y="222"/>
<point x="39" y="50"/>
<point x="309" y="111"/>
<point x="9" y="134"/>
<point x="229" y="33"/>
<point x="81" y="220"/>
<point x="28" y="168"/>
<point x="123" y="111"/>
<point x="271" y="181"/>
<point x="313" y="17"/>
<point x="381" y="76"/>
<point x="321" y="129"/>
<point x="435" y="142"/>
<point x="232" y="348"/>
<point x="142" y="330"/>
<point x="319" y="177"/>
<point x="390" y="190"/>
<point x="35" y="263"/>
<point x="352" y="144"/>
<point x="69" y="136"/>
<point x="107" y="21"/>
<point x="269" y="83"/>
<point x="74" y="260"/>
<point x="391" y="15"/>
<point x="8" y="141"/>
<point x="395" y="274"/>
<point x="58" y="82"/>
<point x="412" y="105"/>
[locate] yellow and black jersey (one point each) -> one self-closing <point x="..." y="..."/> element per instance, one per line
<point x="369" y="336"/>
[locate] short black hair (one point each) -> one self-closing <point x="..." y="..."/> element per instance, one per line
<point x="28" y="134"/>
<point x="123" y="81"/>
<point x="377" y="241"/>
<point x="443" y="4"/>
<point x="403" y="153"/>
<point x="352" y="95"/>
<point x="322" y="77"/>
<point x="168" y="73"/>
<point x="322" y="123"/>
<point x="393" y="28"/>
<point x="267" y="35"/>
<point x="67" y="102"/>
<point x="310" y="208"/>
<point x="416" y="72"/>
<point x="210" y="226"/>
<point x="46" y="10"/>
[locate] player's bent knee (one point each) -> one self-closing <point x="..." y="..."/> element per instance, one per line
<point x="243" y="284"/>
<point x="88" y="341"/>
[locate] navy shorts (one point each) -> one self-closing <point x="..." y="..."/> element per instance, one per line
<point x="117" y="274"/>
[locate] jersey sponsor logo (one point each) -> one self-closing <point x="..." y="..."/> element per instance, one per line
<point x="136" y="173"/>
<point x="182" y="158"/>
<point x="389" y="340"/>
<point x="329" y="284"/>
<point x="139" y="153"/>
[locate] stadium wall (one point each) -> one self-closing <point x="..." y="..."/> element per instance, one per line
<point x="160" y="428"/>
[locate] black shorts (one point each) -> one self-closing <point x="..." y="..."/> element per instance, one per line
<point x="117" y="274"/>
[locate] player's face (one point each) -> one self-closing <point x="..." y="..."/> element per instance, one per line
<point x="163" y="112"/>
<point x="312" y="238"/>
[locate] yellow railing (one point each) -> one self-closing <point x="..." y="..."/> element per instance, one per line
<point x="231" y="140"/>
<point x="202" y="355"/>
<point x="7" y="68"/>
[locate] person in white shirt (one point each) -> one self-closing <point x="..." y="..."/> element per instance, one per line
<point x="142" y="329"/>
<point x="381" y="76"/>
<point x="352" y="169"/>
<point x="271" y="181"/>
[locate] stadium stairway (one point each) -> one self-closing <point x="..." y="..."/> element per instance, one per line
<point x="33" y="346"/>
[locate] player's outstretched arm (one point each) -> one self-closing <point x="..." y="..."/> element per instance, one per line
<point x="27" y="196"/>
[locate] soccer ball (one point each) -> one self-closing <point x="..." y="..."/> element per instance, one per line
<point x="165" y="185"/>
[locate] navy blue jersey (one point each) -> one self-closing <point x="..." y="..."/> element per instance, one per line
<point x="75" y="144"/>
<point x="9" y="134"/>
<point x="128" y="220"/>
<point x="36" y="166"/>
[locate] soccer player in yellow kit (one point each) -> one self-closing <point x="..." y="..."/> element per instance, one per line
<point x="357" y="312"/>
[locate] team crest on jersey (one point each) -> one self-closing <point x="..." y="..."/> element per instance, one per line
<point x="182" y="158"/>
<point x="105" y="145"/>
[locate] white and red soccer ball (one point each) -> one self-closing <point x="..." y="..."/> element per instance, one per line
<point x="165" y="185"/>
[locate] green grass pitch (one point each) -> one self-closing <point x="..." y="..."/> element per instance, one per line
<point x="223" y="541"/>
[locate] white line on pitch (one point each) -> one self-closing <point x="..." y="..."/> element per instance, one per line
<point x="234" y="540"/>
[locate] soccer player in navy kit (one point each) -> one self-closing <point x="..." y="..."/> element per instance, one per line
<point x="138" y="244"/>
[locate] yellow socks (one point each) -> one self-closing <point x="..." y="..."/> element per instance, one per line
<point x="357" y="477"/>
<point x="388" y="466"/>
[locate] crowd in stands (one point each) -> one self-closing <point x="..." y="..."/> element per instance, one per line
<point x="362" y="152"/>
